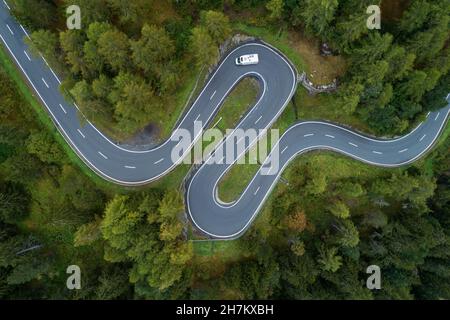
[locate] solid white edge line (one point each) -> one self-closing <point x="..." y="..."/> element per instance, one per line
<point x="25" y="31"/>
<point x="45" y="61"/>
<point x="6" y="4"/>
<point x="54" y="74"/>
<point x="218" y="121"/>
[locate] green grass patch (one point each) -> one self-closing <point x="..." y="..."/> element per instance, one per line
<point x="210" y="248"/>
<point x="241" y="98"/>
<point x="236" y="179"/>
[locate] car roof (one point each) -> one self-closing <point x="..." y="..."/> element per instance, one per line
<point x="249" y="56"/>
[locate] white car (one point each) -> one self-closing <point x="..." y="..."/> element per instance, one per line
<point x="247" y="59"/>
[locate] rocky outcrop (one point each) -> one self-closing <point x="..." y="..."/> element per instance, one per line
<point x="312" y="89"/>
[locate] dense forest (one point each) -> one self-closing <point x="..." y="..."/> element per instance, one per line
<point x="316" y="236"/>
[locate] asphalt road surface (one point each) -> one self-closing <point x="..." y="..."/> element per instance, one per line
<point x="278" y="82"/>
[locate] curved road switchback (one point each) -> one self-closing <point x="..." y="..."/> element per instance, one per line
<point x="278" y="82"/>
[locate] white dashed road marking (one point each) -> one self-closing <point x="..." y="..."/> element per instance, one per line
<point x="81" y="133"/>
<point x="329" y="136"/>
<point x="284" y="150"/>
<point x="9" y="29"/>
<point x="404" y="150"/>
<point x="62" y="108"/>
<point x="309" y="135"/>
<point x="130" y="167"/>
<point x="423" y="137"/>
<point x="353" y="144"/>
<point x="105" y="157"/>
<point x="258" y="120"/>
<point x="377" y="152"/>
<point x="437" y="116"/>
<point x="46" y="84"/>
<point x="29" y="59"/>
<point x="212" y="96"/>
<point x="159" y="161"/>
<point x="257" y="191"/>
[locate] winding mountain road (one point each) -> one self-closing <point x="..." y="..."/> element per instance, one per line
<point x="278" y="82"/>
